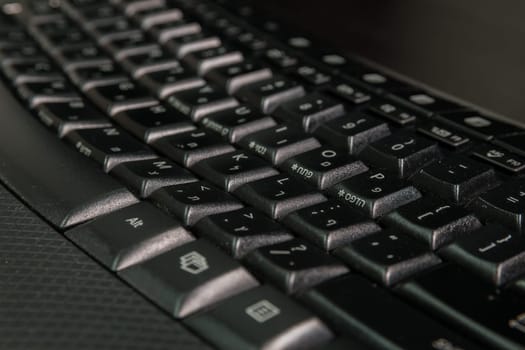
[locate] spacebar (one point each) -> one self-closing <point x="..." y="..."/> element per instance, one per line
<point x="54" y="180"/>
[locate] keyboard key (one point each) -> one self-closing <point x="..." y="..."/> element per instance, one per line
<point x="94" y="73"/>
<point x="280" y="58"/>
<point x="402" y="152"/>
<point x="232" y="170"/>
<point x="351" y="93"/>
<point x="363" y="311"/>
<point x="129" y="236"/>
<point x="19" y="51"/>
<point x="183" y="45"/>
<point x="36" y="70"/>
<point x="471" y="305"/>
<point x="430" y="103"/>
<point x="108" y="146"/>
<point x="198" y="102"/>
<point x="169" y="81"/>
<point x="120" y="96"/>
<point x="330" y="224"/>
<point x="495" y="253"/>
<point x="294" y="265"/>
<point x="310" y="111"/>
<point x="79" y="54"/>
<point x="153" y="122"/>
<point x="387" y="257"/>
<point x="235" y="123"/>
<point x="504" y="204"/>
<point x="456" y="178"/>
<point x="159" y="16"/>
<point x="279" y="143"/>
<point x="261" y="318"/>
<point x="233" y="77"/>
<point x="154" y="60"/>
<point x="445" y="135"/>
<point x="395" y="112"/>
<point x="353" y="132"/>
<point x="205" y="60"/>
<point x="269" y="94"/>
<point x="278" y="195"/>
<point x="241" y="231"/>
<point x="375" y="193"/>
<point x="193" y="201"/>
<point x="312" y="75"/>
<point x="323" y="167"/>
<point x="432" y="221"/>
<point x="190" y="147"/>
<point x="67" y="116"/>
<point x="180" y="280"/>
<point x="148" y="175"/>
<point x="174" y="29"/>
<point x="56" y="91"/>
<point x="499" y="157"/>
<point x="478" y="125"/>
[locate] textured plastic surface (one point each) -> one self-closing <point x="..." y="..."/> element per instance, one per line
<point x="53" y="296"/>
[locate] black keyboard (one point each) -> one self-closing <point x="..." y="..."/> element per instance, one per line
<point x="286" y="196"/>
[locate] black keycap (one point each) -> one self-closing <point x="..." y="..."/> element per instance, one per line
<point x="174" y="29"/>
<point x="504" y="204"/>
<point x="183" y="45"/>
<point x="279" y="143"/>
<point x="387" y="257"/>
<point x="430" y="103"/>
<point x="241" y="231"/>
<point x="395" y="112"/>
<point x="375" y="193"/>
<point x="148" y="175"/>
<point x="478" y="125"/>
<point x="94" y="73"/>
<point x="310" y="111"/>
<point x="353" y="132"/>
<point x="235" y="76"/>
<point x="79" y="54"/>
<point x="237" y="122"/>
<point x="278" y="195"/>
<point x="193" y="201"/>
<point x="158" y="16"/>
<point x="129" y="236"/>
<point x="153" y="122"/>
<point x="280" y="57"/>
<point x="180" y="280"/>
<point x="154" y="60"/>
<point x="261" y="318"/>
<point x="205" y="60"/>
<point x="20" y="51"/>
<point x="444" y="134"/>
<point x="199" y="102"/>
<point x="267" y="95"/>
<point x="121" y="46"/>
<point x="190" y="147"/>
<point x="363" y="311"/>
<point x="36" y="70"/>
<point x="120" y="96"/>
<point x="514" y="143"/>
<point x="330" y="224"/>
<point x="108" y="27"/>
<point x="68" y="36"/>
<point x="432" y="221"/>
<point x="294" y="265"/>
<point x="108" y="146"/>
<point x="67" y="116"/>
<point x="232" y="170"/>
<point x="169" y="81"/>
<point x="499" y="157"/>
<point x="252" y="42"/>
<point x="351" y="93"/>
<point x="495" y="253"/>
<point x="36" y="93"/>
<point x="472" y="305"/>
<point x="311" y="75"/>
<point x="402" y="152"/>
<point x="456" y="178"/>
<point x="323" y="167"/>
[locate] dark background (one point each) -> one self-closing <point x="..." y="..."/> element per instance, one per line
<point x="473" y="49"/>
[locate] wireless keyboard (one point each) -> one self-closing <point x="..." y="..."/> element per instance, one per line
<point x="267" y="191"/>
